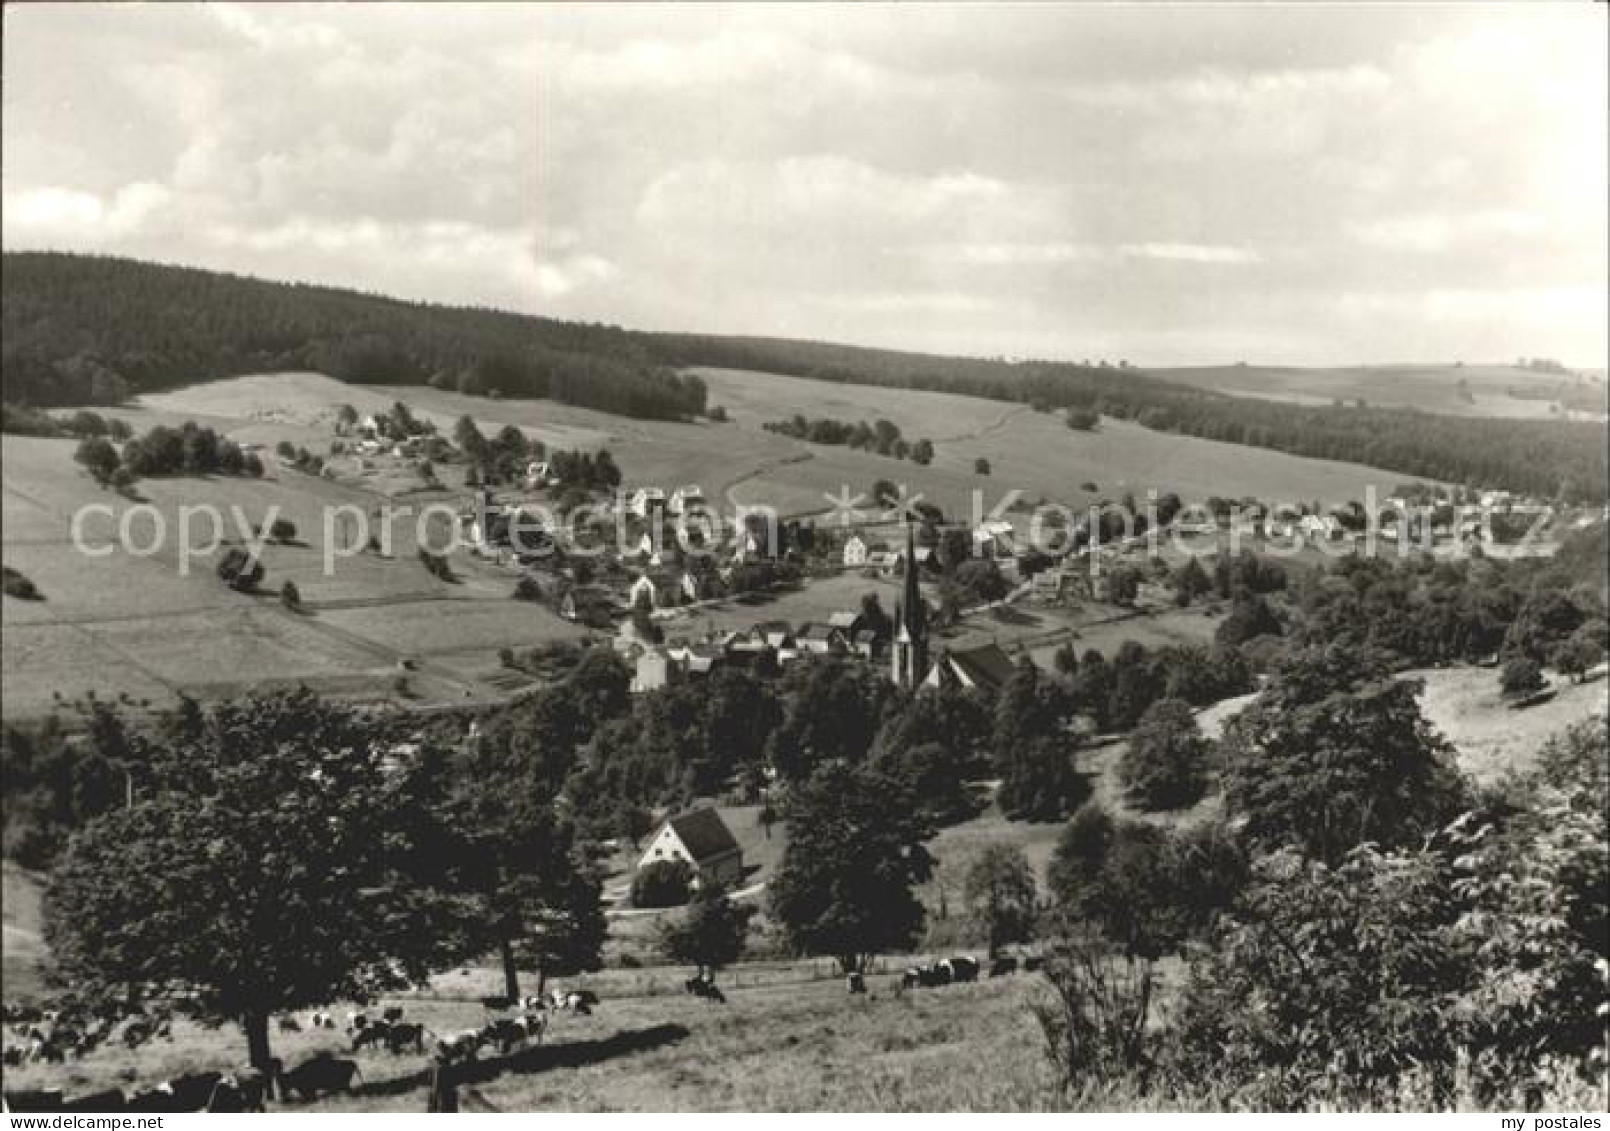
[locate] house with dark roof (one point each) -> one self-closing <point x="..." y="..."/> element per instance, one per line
<point x="983" y="666"/>
<point x="702" y="840"/>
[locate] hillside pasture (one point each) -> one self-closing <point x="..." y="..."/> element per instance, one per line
<point x="132" y="624"/>
<point x="789" y="1039"/>
<point x="1030" y="451"/>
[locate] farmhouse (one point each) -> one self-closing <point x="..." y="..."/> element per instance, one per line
<point x="855" y="551"/>
<point x="702" y="839"/>
<point x="821" y="640"/>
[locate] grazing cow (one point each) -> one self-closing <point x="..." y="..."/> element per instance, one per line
<point x="911" y="979"/>
<point x="508" y="1034"/>
<point x="963" y="969"/>
<point x="192" y="1090"/>
<point x="533" y="1002"/>
<point x="35" y="1099"/>
<point x="459" y="1046"/>
<point x="1001" y="966"/>
<point x="402" y="1035"/>
<point x="536" y="1024"/>
<point x="373" y="1034"/>
<point x="109" y="1100"/>
<point x="318" y="1076"/>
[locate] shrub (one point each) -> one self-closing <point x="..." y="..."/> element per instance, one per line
<point x="240" y="570"/>
<point x="662" y="883"/>
<point x="1521" y="675"/>
<point x="282" y="530"/>
<point x="981" y="466"/>
<point x="99" y="458"/>
<point x="1095" y="1023"/>
<point x="291" y="597"/>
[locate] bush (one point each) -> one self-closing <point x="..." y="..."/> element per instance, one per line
<point x="662" y="883"/>
<point x="282" y="530"/>
<point x="240" y="570"/>
<point x="1520" y="676"/>
<point x="99" y="458"/>
<point x="291" y="597"/>
<point x="981" y="466"/>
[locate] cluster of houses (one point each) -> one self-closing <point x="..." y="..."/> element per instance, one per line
<point x="771" y="646"/>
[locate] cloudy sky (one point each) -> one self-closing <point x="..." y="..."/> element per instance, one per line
<point x="1306" y="184"/>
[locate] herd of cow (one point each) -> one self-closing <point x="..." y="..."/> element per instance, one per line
<point x="945" y="971"/>
<point x="518" y="1025"/>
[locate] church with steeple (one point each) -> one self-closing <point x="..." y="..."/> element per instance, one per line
<point x="909" y="656"/>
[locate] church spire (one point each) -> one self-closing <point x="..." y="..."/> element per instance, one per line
<point x="910" y="652"/>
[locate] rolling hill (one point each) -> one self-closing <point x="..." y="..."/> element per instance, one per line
<point x="83" y="329"/>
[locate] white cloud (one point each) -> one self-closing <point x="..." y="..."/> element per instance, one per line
<point x="1379" y="182"/>
<point x="1191" y="252"/>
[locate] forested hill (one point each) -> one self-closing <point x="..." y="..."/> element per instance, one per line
<point x="89" y="329"/>
<point x="1542" y="457"/>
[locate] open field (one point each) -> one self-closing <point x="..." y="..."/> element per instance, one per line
<point x="1030" y="451"/>
<point x="790" y="1039"/>
<point x="128" y="624"/>
<point x="1428" y="388"/>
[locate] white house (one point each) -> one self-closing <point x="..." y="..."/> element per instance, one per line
<point x="855" y="551"/>
<point x="652" y="671"/>
<point x="702" y="840"/>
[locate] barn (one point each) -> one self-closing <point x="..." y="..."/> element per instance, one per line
<point x="702" y="839"/>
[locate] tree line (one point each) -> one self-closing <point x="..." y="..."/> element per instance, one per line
<point x="93" y="330"/>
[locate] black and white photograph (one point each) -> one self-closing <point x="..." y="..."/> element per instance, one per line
<point x="914" y="557"/>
